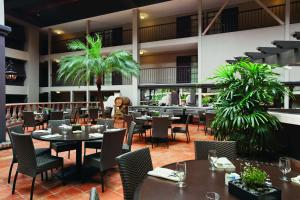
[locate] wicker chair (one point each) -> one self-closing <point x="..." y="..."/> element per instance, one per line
<point x="127" y="147"/>
<point x="93" y="114"/>
<point x="29" y="120"/>
<point x="111" y="148"/>
<point x="201" y="118"/>
<point x="94" y="194"/>
<point x="30" y="164"/>
<point x="133" y="167"/>
<point x="223" y="148"/>
<point x="56" y="115"/>
<point x="61" y="146"/>
<point x="184" y="130"/>
<point x="160" y="126"/>
<point x="38" y="151"/>
<point x="209" y="118"/>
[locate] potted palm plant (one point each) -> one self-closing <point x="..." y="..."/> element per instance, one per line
<point x="80" y="69"/>
<point x="246" y="90"/>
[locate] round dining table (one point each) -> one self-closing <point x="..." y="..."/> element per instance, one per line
<point x="201" y="180"/>
<point x="70" y="136"/>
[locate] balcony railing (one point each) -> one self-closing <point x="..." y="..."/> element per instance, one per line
<point x="169" y="75"/>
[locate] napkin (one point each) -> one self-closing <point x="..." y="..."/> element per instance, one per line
<point x="296" y="179"/>
<point x="97" y="126"/>
<point x="77" y="131"/>
<point x="112" y="129"/>
<point x="50" y="136"/>
<point x="41" y="131"/>
<point x="97" y="135"/>
<point x="165" y="173"/>
<point x="224" y="163"/>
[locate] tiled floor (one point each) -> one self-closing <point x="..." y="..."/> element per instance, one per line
<point x="53" y="188"/>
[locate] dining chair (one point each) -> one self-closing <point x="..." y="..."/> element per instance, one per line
<point x="38" y="151"/>
<point x="223" y="148"/>
<point x="30" y="164"/>
<point x="139" y="125"/>
<point x="107" y="112"/>
<point x="160" y="126"/>
<point x="111" y="148"/>
<point x="136" y="114"/>
<point x="109" y="122"/>
<point x="127" y="147"/>
<point x="93" y="114"/>
<point x="133" y="167"/>
<point x="56" y="115"/>
<point x="82" y="114"/>
<point x="201" y="118"/>
<point x="184" y="130"/>
<point x="30" y="121"/>
<point x="209" y="118"/>
<point x="94" y="194"/>
<point x="61" y="146"/>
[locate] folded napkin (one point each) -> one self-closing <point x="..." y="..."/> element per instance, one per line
<point x="77" y="131"/>
<point x="97" y="135"/>
<point x="97" y="126"/>
<point x="224" y="163"/>
<point x="41" y="131"/>
<point x="164" y="173"/>
<point x="112" y="129"/>
<point x="296" y="179"/>
<point x="50" y="136"/>
<point x="65" y="126"/>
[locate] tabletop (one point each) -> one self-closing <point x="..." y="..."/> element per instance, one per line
<point x="200" y="180"/>
<point x="69" y="136"/>
<point x="150" y="118"/>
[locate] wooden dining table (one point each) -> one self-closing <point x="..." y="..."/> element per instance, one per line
<point x="201" y="180"/>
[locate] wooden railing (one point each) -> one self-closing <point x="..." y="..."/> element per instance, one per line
<point x="14" y="112"/>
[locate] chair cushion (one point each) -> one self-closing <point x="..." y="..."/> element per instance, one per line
<point x="179" y="130"/>
<point x="46" y="162"/>
<point x="95" y="144"/>
<point x="93" y="160"/>
<point x="63" y="146"/>
<point x="41" y="151"/>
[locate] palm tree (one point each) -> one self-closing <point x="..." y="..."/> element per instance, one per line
<point x="79" y="69"/>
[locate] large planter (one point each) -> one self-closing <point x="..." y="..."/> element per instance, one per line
<point x="238" y="189"/>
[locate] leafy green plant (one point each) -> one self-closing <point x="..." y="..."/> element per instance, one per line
<point x="207" y="100"/>
<point x="253" y="177"/>
<point x="82" y="68"/>
<point x="246" y="90"/>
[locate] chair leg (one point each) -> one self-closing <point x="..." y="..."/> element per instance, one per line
<point x="15" y="181"/>
<point x="102" y="181"/>
<point x="69" y="155"/>
<point x="46" y="175"/>
<point x="10" y="169"/>
<point x="56" y="154"/>
<point x="32" y="188"/>
<point x="42" y="176"/>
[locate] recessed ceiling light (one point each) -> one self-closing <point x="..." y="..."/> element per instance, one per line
<point x="58" y="32"/>
<point x="143" y="16"/>
<point x="56" y="60"/>
<point x="57" y="92"/>
<point x="141" y="52"/>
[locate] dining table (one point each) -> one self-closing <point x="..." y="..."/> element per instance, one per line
<point x="79" y="136"/>
<point x="201" y="180"/>
<point x="149" y="118"/>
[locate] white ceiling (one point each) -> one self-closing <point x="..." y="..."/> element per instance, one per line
<point x="169" y="8"/>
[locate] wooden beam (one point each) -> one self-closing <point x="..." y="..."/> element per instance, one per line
<point x="269" y="12"/>
<point x="215" y="17"/>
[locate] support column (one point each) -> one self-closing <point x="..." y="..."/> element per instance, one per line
<point x="71" y="96"/>
<point x="32" y="65"/>
<point x="87" y="83"/>
<point x="199" y="51"/>
<point x="49" y="63"/>
<point x="4" y="30"/>
<point x="287" y="37"/>
<point x="135" y="97"/>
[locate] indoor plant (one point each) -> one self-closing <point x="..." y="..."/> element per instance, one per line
<point x="82" y="68"/>
<point x="253" y="185"/>
<point x="246" y="90"/>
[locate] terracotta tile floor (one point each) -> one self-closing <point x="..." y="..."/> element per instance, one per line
<point x="53" y="188"/>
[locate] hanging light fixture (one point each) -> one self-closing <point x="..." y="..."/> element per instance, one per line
<point x="10" y="73"/>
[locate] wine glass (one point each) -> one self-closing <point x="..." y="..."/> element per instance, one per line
<point x="212" y="196"/>
<point x="181" y="173"/>
<point x="212" y="157"/>
<point x="285" y="167"/>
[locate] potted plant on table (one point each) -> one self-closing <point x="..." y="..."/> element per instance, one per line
<point x="246" y="90"/>
<point x="82" y="68"/>
<point x="253" y="185"/>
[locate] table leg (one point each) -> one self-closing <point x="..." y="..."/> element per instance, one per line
<point x="79" y="156"/>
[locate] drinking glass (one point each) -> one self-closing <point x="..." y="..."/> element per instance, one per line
<point x="181" y="173"/>
<point x="212" y="196"/>
<point x="285" y="167"/>
<point x="212" y="157"/>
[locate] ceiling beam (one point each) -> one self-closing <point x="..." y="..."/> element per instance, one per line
<point x="270" y="12"/>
